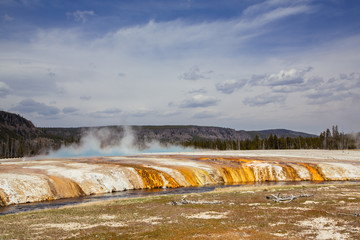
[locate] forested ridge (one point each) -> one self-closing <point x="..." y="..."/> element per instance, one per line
<point x="19" y="137"/>
<point x="332" y="140"/>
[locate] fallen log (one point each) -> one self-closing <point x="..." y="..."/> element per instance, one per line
<point x="290" y="198"/>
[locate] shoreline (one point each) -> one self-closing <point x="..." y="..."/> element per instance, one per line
<point x="243" y="188"/>
<point x="143" y="193"/>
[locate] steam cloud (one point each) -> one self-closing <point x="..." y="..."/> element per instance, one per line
<point x="106" y="142"/>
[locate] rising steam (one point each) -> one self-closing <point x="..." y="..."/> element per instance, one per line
<point x="107" y="142"/>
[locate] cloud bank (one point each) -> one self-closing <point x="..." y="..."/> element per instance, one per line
<point x="195" y="66"/>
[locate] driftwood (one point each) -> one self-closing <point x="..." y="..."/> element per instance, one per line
<point x="184" y="201"/>
<point x="290" y="198"/>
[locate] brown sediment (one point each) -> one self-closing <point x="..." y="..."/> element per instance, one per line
<point x="232" y="170"/>
<point x="170" y="181"/>
<point x="314" y="172"/>
<point x="3" y="198"/>
<point x="195" y="176"/>
<point x="64" y="188"/>
<point x="241" y="174"/>
<point x="153" y="178"/>
<point x="291" y="174"/>
<point x="150" y="178"/>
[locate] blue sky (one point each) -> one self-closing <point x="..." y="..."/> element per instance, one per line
<point x="242" y="64"/>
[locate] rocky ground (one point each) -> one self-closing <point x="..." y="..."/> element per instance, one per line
<point x="325" y="212"/>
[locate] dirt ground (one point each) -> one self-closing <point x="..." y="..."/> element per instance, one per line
<point x="331" y="212"/>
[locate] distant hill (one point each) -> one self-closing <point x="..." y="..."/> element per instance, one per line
<point x="279" y="133"/>
<point x="15" y="126"/>
<point x="19" y="136"/>
<point x="176" y="133"/>
<point x="185" y="133"/>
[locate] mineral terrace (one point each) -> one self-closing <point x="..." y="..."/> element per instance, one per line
<point x="40" y="179"/>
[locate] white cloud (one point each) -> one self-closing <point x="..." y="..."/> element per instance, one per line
<point x="290" y="77"/>
<point x="133" y="72"/>
<point x="283" y="78"/>
<point x="179" y="39"/>
<point x="346" y="86"/>
<point x="199" y="101"/>
<point x="285" y="82"/>
<point x="264" y="6"/>
<point x="266" y="12"/>
<point x="307" y="84"/>
<point x="81" y="16"/>
<point x="314" y="90"/>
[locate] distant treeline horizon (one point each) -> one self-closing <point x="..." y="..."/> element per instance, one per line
<point x="329" y="140"/>
<point x="20" y="138"/>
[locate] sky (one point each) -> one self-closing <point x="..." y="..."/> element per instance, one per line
<point x="247" y="65"/>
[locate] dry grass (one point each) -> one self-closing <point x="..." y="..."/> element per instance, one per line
<point x="244" y="214"/>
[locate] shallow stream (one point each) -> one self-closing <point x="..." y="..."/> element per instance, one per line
<point x="12" y="209"/>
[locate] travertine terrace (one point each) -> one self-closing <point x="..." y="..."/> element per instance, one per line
<point x="35" y="179"/>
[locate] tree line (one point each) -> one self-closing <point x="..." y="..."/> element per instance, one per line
<point x="331" y="140"/>
<point x="18" y="146"/>
<point x="22" y="147"/>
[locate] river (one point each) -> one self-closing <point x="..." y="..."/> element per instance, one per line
<point x="26" y="207"/>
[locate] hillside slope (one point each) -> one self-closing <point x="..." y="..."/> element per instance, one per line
<point x="19" y="137"/>
<point x="279" y="133"/>
<point x="15" y="126"/>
